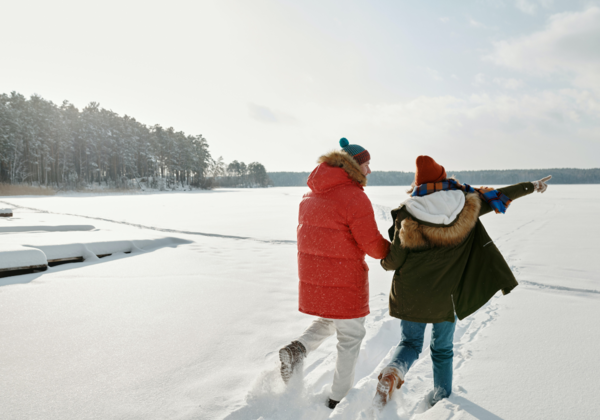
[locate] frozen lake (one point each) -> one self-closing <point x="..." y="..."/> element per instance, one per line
<point x="190" y="328"/>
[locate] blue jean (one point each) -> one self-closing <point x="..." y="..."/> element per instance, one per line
<point x="411" y="345"/>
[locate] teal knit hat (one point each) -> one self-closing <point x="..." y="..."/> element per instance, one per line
<point x="360" y="154"/>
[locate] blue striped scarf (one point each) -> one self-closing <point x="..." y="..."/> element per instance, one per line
<point x="497" y="201"/>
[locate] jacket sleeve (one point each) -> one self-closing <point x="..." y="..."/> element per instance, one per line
<point x="397" y="256"/>
<point x="361" y="221"/>
<point x="513" y="192"/>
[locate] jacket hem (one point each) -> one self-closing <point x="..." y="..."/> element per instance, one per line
<point x="475" y="308"/>
<point x="338" y="316"/>
<point x="422" y="320"/>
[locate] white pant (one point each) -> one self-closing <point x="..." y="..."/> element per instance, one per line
<point x="350" y="333"/>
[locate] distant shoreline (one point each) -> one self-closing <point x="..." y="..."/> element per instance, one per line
<point x="485" y="177"/>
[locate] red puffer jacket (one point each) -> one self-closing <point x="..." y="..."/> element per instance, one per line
<point x="336" y="229"/>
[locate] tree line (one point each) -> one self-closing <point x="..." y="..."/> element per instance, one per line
<point x="238" y="174"/>
<point x="42" y="143"/>
<point x="475" y="178"/>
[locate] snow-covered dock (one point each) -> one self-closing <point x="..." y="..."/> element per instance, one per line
<point x="6" y="213"/>
<point x="30" y="244"/>
<point x="17" y="259"/>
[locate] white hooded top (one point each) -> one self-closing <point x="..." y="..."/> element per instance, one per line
<point x="440" y="208"/>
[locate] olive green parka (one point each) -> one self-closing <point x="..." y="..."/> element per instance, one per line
<point x="443" y="269"/>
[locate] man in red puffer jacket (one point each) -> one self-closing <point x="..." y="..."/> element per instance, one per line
<point x="336" y="230"/>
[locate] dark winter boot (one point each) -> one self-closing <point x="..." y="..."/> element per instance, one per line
<point x="291" y="357"/>
<point x="389" y="380"/>
<point x="332" y="403"/>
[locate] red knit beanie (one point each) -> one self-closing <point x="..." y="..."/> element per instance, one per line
<point x="428" y="171"/>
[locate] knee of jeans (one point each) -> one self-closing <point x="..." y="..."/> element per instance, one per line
<point x="444" y="353"/>
<point x="416" y="345"/>
<point x="442" y="347"/>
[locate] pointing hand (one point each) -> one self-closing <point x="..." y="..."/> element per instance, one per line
<point x="540" y="186"/>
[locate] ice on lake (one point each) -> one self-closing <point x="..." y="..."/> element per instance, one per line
<point x="190" y="329"/>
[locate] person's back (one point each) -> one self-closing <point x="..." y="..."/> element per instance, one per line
<point x="336" y="229"/>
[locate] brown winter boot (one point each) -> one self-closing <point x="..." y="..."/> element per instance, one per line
<point x="390" y="378"/>
<point x="291" y="356"/>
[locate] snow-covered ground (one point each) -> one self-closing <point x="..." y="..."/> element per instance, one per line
<point x="188" y="326"/>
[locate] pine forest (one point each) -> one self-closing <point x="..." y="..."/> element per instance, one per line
<point x="66" y="148"/>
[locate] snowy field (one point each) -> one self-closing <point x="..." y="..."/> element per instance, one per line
<point x="187" y="325"/>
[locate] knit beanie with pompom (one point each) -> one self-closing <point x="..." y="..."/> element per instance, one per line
<point x="360" y="154"/>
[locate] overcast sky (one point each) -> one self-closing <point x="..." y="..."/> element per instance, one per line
<point x="476" y="84"/>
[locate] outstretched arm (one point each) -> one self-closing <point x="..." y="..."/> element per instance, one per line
<point x="517" y="191"/>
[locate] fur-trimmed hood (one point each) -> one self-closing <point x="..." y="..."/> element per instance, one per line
<point x="328" y="176"/>
<point x="341" y="159"/>
<point x="416" y="234"/>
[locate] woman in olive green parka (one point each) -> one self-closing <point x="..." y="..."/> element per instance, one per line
<point x="440" y="269"/>
<point x="446" y="266"/>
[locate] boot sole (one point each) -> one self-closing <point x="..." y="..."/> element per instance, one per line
<point x="285" y="357"/>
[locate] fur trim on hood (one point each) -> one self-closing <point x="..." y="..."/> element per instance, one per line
<point x="415" y="235"/>
<point x="341" y="159"/>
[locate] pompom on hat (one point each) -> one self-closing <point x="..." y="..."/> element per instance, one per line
<point x="360" y="154"/>
<point x="429" y="171"/>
